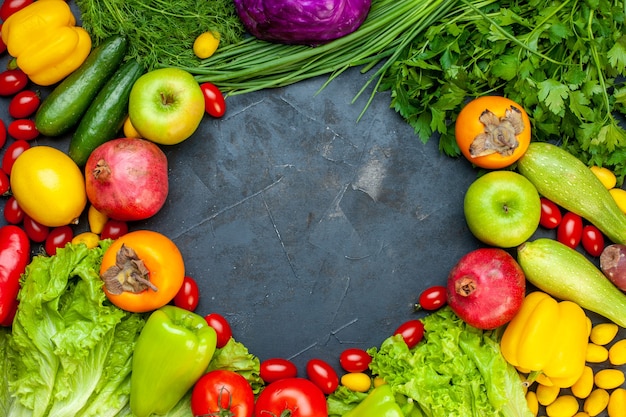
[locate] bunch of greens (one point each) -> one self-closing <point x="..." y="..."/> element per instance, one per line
<point x="563" y="61"/>
<point x="457" y="370"/>
<point x="161" y="32"/>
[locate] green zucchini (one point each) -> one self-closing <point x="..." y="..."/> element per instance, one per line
<point x="567" y="274"/>
<point x="105" y="116"/>
<point x="561" y="177"/>
<point x="62" y="109"/>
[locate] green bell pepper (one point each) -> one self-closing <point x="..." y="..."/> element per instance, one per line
<point x="172" y="352"/>
<point x="380" y="402"/>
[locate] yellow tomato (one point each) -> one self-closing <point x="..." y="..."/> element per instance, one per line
<point x="206" y="44"/>
<point x="48" y="186"/>
<point x="619" y="195"/>
<point x="90" y="239"/>
<point x="96" y="220"/>
<point x="606" y="177"/>
<point x="129" y="129"/>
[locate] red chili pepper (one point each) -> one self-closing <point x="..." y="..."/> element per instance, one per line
<point x="14" y="256"/>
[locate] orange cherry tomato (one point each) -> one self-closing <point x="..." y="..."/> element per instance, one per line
<point x="165" y="271"/>
<point x="492" y="131"/>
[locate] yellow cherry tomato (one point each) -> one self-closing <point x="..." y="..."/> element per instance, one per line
<point x="49" y="186"/>
<point x="619" y="195"/>
<point x="129" y="129"/>
<point x="605" y="175"/>
<point x="96" y="220"/>
<point x="206" y="44"/>
<point x="90" y="239"/>
<point x="356" y="381"/>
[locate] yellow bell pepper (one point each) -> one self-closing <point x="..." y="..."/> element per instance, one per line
<point x="547" y="337"/>
<point x="44" y="39"/>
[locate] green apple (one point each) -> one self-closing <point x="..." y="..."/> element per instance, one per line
<point x="502" y="208"/>
<point x="166" y="105"/>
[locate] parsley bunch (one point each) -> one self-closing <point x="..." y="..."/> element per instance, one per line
<point x="563" y="61"/>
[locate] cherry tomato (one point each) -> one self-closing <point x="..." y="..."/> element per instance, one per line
<point x="36" y="232"/>
<point x="294" y="397"/>
<point x="23" y="129"/>
<point x="214" y="102"/>
<point x="570" y="230"/>
<point x="12" y="81"/>
<point x="5" y="184"/>
<point x="592" y="240"/>
<point x="3" y="134"/>
<point x="432" y="298"/>
<point x="11" y="6"/>
<point x="222" y="393"/>
<point x="411" y="331"/>
<point x="550" y="214"/>
<point x="188" y="295"/>
<point x="58" y="238"/>
<point x="221" y="326"/>
<point x="114" y="229"/>
<point x="13" y="213"/>
<point x="323" y="375"/>
<point x="355" y="360"/>
<point x="11" y="153"/>
<point x="277" y="368"/>
<point x="24" y="104"/>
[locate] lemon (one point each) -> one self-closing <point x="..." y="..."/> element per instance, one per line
<point x="49" y="186"/>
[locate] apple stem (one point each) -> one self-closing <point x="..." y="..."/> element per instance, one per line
<point x="465" y="286"/>
<point x="166" y="99"/>
<point x="102" y="171"/>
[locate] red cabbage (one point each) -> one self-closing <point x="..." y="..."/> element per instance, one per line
<point x="306" y="22"/>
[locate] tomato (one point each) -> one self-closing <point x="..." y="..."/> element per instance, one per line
<point x="188" y="295"/>
<point x="3" y="46"/>
<point x="356" y="381"/>
<point x="11" y="6"/>
<point x="550" y="214"/>
<point x="294" y="397"/>
<point x="214" y="102"/>
<point x="5" y="184"/>
<point x="12" y="81"/>
<point x="11" y="153"/>
<point x="113" y="229"/>
<point x="58" y="238"/>
<point x="24" y="104"/>
<point x="432" y="298"/>
<point x="570" y="230"/>
<point x="23" y="129"/>
<point x="605" y="175"/>
<point x="355" y="360"/>
<point x="89" y="239"/>
<point x="222" y="393"/>
<point x="36" y="231"/>
<point x="221" y="327"/>
<point x="13" y="213"/>
<point x="592" y="240"/>
<point x="165" y="271"/>
<point x="411" y="331"/>
<point x="323" y="375"/>
<point x="206" y="44"/>
<point x="3" y="134"/>
<point x="471" y="122"/>
<point x="277" y="368"/>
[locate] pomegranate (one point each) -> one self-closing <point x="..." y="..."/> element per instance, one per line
<point x="486" y="288"/>
<point x="126" y="179"/>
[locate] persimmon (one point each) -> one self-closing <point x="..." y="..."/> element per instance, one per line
<point x="142" y="270"/>
<point x="492" y="131"/>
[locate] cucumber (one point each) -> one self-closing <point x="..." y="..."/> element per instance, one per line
<point x="105" y="116"/>
<point x="561" y="177"/>
<point x="567" y="274"/>
<point x="62" y="109"/>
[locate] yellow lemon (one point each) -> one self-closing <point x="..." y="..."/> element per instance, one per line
<point x="49" y="186"/>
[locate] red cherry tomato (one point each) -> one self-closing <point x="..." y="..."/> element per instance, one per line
<point x="114" y="229"/>
<point x="432" y="298"/>
<point x="13" y="213"/>
<point x="214" y="102"/>
<point x="550" y="214"/>
<point x="188" y="295"/>
<point x="5" y="184"/>
<point x="323" y="375"/>
<point x="11" y="6"/>
<point x="570" y="230"/>
<point x="277" y="368"/>
<point x="3" y="134"/>
<point x="23" y="129"/>
<point x="58" y="238"/>
<point x="11" y="153"/>
<point x="12" y="81"/>
<point x="222" y="328"/>
<point x="294" y="397"/>
<point x="24" y="104"/>
<point x="411" y="331"/>
<point x="592" y="240"/>
<point x="222" y="393"/>
<point x="355" y="360"/>
<point x="35" y="231"/>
